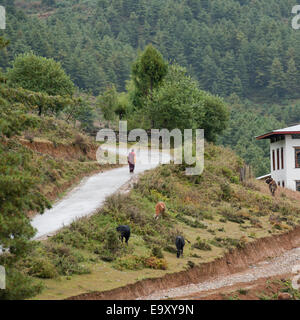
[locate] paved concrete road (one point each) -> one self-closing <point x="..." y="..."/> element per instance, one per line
<point x="90" y="194"/>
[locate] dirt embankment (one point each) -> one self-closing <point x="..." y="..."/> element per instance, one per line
<point x="235" y="261"/>
<point x="62" y="151"/>
<point x="84" y="153"/>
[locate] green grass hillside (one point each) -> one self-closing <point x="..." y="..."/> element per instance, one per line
<point x="214" y="211"/>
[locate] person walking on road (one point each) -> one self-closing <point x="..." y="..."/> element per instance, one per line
<point x="131" y="160"/>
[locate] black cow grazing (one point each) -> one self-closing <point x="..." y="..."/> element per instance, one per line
<point x="179" y="245"/>
<point x="124" y="233"/>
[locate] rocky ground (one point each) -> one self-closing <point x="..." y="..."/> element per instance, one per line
<point x="286" y="266"/>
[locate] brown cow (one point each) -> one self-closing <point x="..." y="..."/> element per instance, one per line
<point x="160" y="209"/>
<point x="272" y="185"/>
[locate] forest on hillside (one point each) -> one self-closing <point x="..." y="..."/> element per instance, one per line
<point x="242" y="46"/>
<point x="243" y="50"/>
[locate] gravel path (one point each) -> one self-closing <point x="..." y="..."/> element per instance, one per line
<point x="283" y="264"/>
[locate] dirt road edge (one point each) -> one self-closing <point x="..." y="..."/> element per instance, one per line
<point x="234" y="261"/>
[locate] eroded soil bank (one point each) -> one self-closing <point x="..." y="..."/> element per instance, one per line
<point x="62" y="151"/>
<point x="235" y="261"/>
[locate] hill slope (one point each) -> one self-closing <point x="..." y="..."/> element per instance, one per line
<point x="230" y="46"/>
<point x="215" y="212"/>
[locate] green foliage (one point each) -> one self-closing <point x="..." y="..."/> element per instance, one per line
<point x="19" y="286"/>
<point x="148" y="71"/>
<point x="229" y="46"/>
<point x="30" y="101"/>
<point x="108" y="103"/>
<point x="39" y="74"/>
<point x="201" y="245"/>
<point x="179" y="103"/>
<point x="277" y="80"/>
<point x="19" y="195"/>
<point x="226" y="191"/>
<point x="157" y="252"/>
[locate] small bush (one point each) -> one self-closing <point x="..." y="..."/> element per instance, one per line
<point x="156" y="263"/>
<point x="193" y="224"/>
<point x="229" y="242"/>
<point x="112" y="241"/>
<point x="67" y="261"/>
<point x="157" y="252"/>
<point x="201" y="245"/>
<point x="19" y="286"/>
<point x="230" y="214"/>
<point x="190" y="264"/>
<point x="226" y="192"/>
<point x="170" y="249"/>
<point x="42" y="268"/>
<point x="129" y="263"/>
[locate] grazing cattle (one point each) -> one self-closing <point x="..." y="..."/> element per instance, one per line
<point x="124" y="233"/>
<point x="179" y="245"/>
<point x="160" y="209"/>
<point x="272" y="186"/>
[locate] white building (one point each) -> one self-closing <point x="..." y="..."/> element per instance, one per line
<point x="285" y="156"/>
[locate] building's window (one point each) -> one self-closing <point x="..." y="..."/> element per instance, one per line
<point x="298" y="185"/>
<point x="295" y="136"/>
<point x="278" y="183"/>
<point x="297" y="157"/>
<point x="273" y="159"/>
<point x="283" y="184"/>
<point x="278" y="162"/>
<point x="282" y="159"/>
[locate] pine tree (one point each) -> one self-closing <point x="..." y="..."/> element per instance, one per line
<point x="292" y="77"/>
<point x="148" y="71"/>
<point x="237" y="86"/>
<point x="277" y="82"/>
<point x="209" y="70"/>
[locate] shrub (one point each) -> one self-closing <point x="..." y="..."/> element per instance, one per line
<point x="42" y="268"/>
<point x="170" y="249"/>
<point x="65" y="259"/>
<point x="112" y="241"/>
<point x="157" y="252"/>
<point x="19" y="286"/>
<point x="201" y="245"/>
<point x="107" y="256"/>
<point x="156" y="263"/>
<point x="230" y="214"/>
<point x="129" y="263"/>
<point x="193" y="224"/>
<point x="226" y="192"/>
<point x="229" y="242"/>
<point x="69" y="265"/>
<point x="190" y="264"/>
<point x="71" y="237"/>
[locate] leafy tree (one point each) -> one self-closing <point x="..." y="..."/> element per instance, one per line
<point x="148" y="71"/>
<point x="40" y="75"/>
<point x="171" y="104"/>
<point x="108" y="103"/>
<point x="179" y="103"/>
<point x="213" y="116"/>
